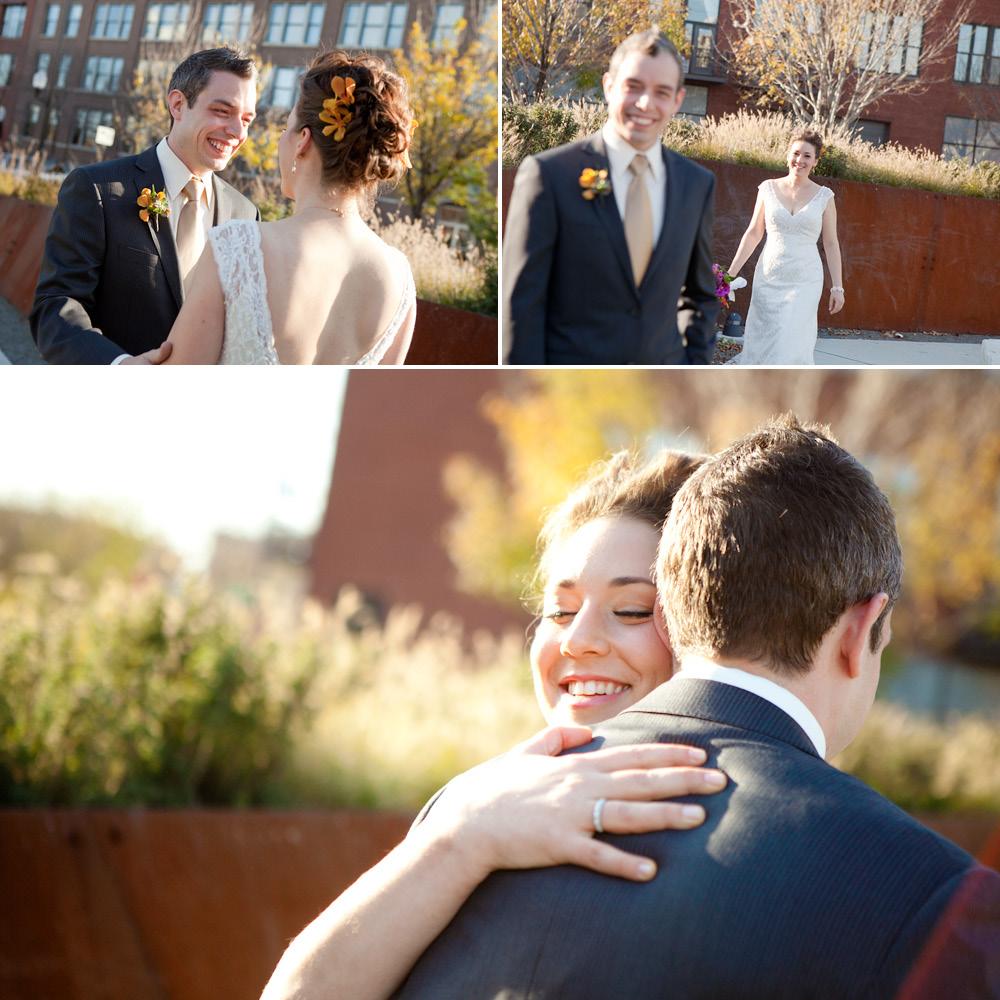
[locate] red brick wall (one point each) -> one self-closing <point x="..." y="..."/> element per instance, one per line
<point x="387" y="511"/>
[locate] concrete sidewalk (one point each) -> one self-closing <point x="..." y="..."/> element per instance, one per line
<point x="937" y="352"/>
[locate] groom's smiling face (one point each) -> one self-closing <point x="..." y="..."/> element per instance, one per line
<point x="643" y="95"/>
<point x="207" y="133"/>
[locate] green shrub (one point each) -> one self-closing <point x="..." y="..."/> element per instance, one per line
<point x="532" y="128"/>
<point x="136" y="696"/>
<point x="29" y="188"/>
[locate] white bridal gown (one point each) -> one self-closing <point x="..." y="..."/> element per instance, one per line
<point x="781" y="324"/>
<point x="249" y="337"/>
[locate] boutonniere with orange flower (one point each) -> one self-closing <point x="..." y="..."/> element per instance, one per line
<point x="335" y="112"/>
<point x="153" y="203"/>
<point x="595" y="183"/>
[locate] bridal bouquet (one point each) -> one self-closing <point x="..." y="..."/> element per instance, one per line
<point x="726" y="286"/>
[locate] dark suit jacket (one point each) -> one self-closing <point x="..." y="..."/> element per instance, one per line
<point x="109" y="283"/>
<point x="803" y="882"/>
<point x="569" y="292"/>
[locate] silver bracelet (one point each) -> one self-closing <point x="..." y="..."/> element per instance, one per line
<point x="837" y="289"/>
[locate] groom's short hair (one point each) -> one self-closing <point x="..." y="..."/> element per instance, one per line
<point x="192" y="75"/>
<point x="767" y="545"/>
<point x="650" y="43"/>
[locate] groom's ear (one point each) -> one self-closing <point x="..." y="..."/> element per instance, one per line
<point x="660" y="622"/>
<point x="177" y="103"/>
<point x="856" y="629"/>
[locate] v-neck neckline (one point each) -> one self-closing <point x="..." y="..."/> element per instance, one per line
<point x="792" y="215"/>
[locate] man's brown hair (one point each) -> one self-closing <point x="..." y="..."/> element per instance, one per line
<point x="768" y="544"/>
<point x="649" y="43"/>
<point x="192" y="75"/>
<point x="619" y="486"/>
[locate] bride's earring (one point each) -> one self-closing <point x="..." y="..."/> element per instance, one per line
<point x="295" y="164"/>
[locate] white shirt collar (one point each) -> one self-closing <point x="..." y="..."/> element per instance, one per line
<point x="780" y="697"/>
<point x="620" y="153"/>
<point x="176" y="174"/>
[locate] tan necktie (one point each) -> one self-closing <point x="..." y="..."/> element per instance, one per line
<point x="190" y="236"/>
<point x="638" y="218"/>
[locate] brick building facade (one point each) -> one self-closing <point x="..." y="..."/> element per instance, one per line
<point x="957" y="115"/>
<point x="65" y="66"/>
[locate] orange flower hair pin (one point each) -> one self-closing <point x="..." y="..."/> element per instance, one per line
<point x="335" y="112"/>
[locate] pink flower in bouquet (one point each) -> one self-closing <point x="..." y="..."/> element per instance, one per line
<point x="723" y="283"/>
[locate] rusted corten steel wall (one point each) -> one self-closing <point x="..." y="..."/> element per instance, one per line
<point x="186" y="905"/>
<point x="195" y="905"/>
<point x="442" y="336"/>
<point x="914" y="261"/>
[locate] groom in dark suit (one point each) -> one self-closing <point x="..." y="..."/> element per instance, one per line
<point x="607" y="248"/>
<point x="112" y="280"/>
<point x="777" y="571"/>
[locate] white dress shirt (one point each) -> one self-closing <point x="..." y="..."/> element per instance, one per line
<point x="620" y="155"/>
<point x="175" y="177"/>
<point x="790" y="704"/>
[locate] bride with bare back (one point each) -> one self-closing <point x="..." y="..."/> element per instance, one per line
<point x="318" y="287"/>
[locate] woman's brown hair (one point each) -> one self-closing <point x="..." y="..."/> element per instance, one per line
<point x="376" y="139"/>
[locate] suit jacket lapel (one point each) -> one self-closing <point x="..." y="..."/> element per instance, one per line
<point x="606" y="207"/>
<point x="148" y="173"/>
<point x="221" y="210"/>
<point x="671" y="206"/>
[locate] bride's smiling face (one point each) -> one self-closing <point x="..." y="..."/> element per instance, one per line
<point x="801" y="158"/>
<point x="596" y="650"/>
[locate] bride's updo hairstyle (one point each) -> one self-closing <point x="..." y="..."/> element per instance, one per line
<point x="807" y="135"/>
<point x="374" y="143"/>
<point x="620" y="486"/>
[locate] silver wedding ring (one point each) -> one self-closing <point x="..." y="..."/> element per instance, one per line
<point x="598" y="813"/>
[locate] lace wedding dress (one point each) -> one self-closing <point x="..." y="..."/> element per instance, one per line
<point x="249" y="337"/>
<point x="781" y="326"/>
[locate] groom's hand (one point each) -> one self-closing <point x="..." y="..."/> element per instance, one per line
<point x="154" y="357"/>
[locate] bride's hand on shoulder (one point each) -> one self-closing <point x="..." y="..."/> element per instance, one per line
<point x="530" y="808"/>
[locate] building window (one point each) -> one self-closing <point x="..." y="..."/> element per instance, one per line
<point x="13" y="20"/>
<point x="85" y="126"/>
<point x="102" y="73"/>
<point x="874" y="133"/>
<point x="112" y="20"/>
<point x="446" y="16"/>
<point x="166" y="22"/>
<point x="978" y="56"/>
<point x="51" y="20"/>
<point x="891" y="45"/>
<point x="6" y="68"/>
<point x="64" y="67"/>
<point x="34" y="113"/>
<point x="284" y="87"/>
<point x="699" y="29"/>
<point x="971" y="139"/>
<point x="695" y="106"/>
<point x="73" y="20"/>
<point x="42" y="66"/>
<point x="373" y="25"/>
<point x="295" y="23"/>
<point x="227" y="22"/>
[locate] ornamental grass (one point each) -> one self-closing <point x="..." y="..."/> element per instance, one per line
<point x="168" y="693"/>
<point x="755" y="139"/>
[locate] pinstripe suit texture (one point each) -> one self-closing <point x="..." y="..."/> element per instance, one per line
<point x="803" y="882"/>
<point x="110" y="283"/>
